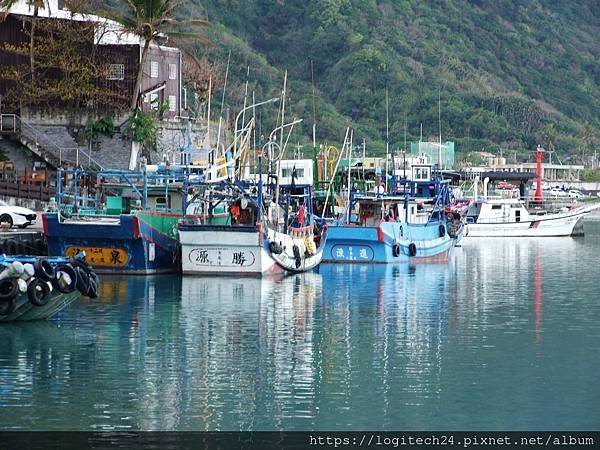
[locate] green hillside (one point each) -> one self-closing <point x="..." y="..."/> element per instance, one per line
<point x="510" y="74"/>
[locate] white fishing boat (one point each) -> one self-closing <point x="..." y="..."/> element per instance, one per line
<point x="510" y="217"/>
<point x="249" y="244"/>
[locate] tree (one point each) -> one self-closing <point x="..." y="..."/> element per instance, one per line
<point x="37" y="5"/>
<point x="152" y="21"/>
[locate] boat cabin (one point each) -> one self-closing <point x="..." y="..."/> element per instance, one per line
<point x="497" y="211"/>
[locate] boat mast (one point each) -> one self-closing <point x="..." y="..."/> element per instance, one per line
<point x="314" y="128"/>
<point x="278" y="164"/>
<point x="223" y="101"/>
<point x="349" y="175"/>
<point x="387" y="136"/>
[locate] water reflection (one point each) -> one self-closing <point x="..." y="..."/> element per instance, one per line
<point x="502" y="327"/>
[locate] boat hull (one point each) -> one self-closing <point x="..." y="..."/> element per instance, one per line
<point x="125" y="244"/>
<point x="26" y="311"/>
<point x="225" y="250"/>
<point x="541" y="226"/>
<point x="389" y="243"/>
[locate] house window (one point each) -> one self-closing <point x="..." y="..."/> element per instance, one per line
<point x="172" y="103"/>
<point x="172" y="71"/>
<point x="154" y="101"/>
<point x="153" y="69"/>
<point x="116" y="72"/>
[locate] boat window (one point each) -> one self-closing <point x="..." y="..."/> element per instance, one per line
<point x="496" y="206"/>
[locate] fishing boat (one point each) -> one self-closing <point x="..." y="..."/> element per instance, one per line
<point x="510" y="217"/>
<point x="33" y="288"/>
<point x="262" y="237"/>
<point x="411" y="222"/>
<point x="129" y="225"/>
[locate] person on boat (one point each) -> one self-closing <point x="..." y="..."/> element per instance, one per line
<point x="234" y="210"/>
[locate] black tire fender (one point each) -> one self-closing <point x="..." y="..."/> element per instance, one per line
<point x="38" y="292"/>
<point x="412" y="249"/>
<point x="94" y="289"/>
<point x="44" y="270"/>
<point x="83" y="280"/>
<point x="76" y="262"/>
<point x="275" y="248"/>
<point x="9" y="289"/>
<point x="41" y="247"/>
<point x="7" y="306"/>
<point x="69" y="270"/>
<point x="442" y="229"/>
<point x="396" y="250"/>
<point x="11" y="246"/>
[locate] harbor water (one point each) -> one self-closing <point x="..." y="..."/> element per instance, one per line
<point x="503" y="336"/>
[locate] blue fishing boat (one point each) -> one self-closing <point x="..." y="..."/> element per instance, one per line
<point x="129" y="225"/>
<point x="411" y="222"/>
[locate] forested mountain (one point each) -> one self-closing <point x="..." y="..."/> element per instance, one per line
<point x="509" y="73"/>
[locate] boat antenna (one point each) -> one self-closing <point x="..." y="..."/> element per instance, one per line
<point x="223" y="100"/>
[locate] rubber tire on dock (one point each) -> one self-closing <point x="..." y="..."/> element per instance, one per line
<point x="38" y="292"/>
<point x="68" y="269"/>
<point x="7" y="306"/>
<point x="44" y="270"/>
<point x="412" y="249"/>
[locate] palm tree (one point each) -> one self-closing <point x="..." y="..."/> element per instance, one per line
<point x="37" y="5"/>
<point x="152" y="21"/>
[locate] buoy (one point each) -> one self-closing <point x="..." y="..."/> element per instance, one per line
<point x="15" y="270"/>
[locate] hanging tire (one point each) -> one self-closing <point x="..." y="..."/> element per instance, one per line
<point x="38" y="292"/>
<point x="83" y="280"/>
<point x="93" y="291"/>
<point x="40" y="247"/>
<point x="396" y="250"/>
<point x="275" y="248"/>
<point x="11" y="246"/>
<point x="76" y="262"/>
<point x="7" y="306"/>
<point x="9" y="289"/>
<point x="44" y="270"/>
<point x="442" y="229"/>
<point x="412" y="250"/>
<point x="68" y="269"/>
<point x="297" y="256"/>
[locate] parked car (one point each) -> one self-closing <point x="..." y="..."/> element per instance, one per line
<point x="574" y="193"/>
<point x="11" y="216"/>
